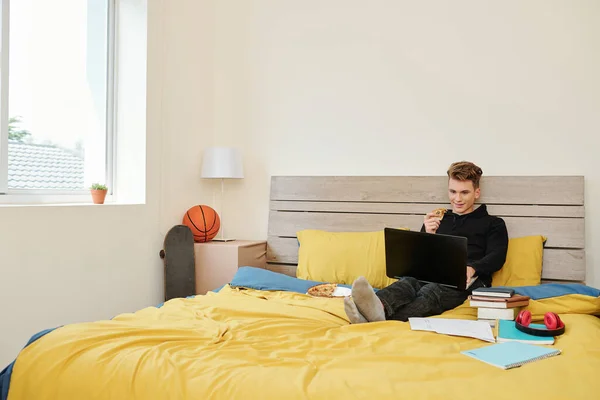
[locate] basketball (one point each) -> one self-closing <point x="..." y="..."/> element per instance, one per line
<point x="203" y="221"/>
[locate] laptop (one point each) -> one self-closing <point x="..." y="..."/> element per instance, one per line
<point x="427" y="257"/>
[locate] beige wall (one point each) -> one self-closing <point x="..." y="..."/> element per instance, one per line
<point x="407" y="87"/>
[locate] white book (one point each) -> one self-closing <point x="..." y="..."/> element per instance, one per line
<point x="497" y="313"/>
<point x="498" y="304"/>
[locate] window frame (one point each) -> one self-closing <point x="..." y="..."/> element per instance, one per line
<point x="57" y="196"/>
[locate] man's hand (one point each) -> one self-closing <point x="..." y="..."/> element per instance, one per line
<point x="470" y="274"/>
<point x="431" y="222"/>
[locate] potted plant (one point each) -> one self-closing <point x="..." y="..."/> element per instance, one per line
<point x="98" y="193"/>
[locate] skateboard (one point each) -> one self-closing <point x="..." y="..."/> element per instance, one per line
<point x="178" y="257"/>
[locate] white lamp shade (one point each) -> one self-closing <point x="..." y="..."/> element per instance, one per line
<point x="222" y="162"/>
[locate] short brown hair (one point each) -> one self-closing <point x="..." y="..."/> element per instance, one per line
<point x="465" y="171"/>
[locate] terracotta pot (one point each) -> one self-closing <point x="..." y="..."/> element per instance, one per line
<point x="98" y="196"/>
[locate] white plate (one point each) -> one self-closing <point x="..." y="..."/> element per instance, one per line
<point x="341" y="291"/>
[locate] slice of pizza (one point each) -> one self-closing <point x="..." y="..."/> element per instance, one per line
<point x="322" y="290"/>
<point x="439" y="213"/>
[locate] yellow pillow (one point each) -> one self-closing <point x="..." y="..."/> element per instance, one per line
<point x="523" y="266"/>
<point x="341" y="257"/>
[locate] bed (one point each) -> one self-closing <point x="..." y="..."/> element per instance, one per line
<point x="262" y="337"/>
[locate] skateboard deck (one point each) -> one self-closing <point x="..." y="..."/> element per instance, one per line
<point x="178" y="258"/>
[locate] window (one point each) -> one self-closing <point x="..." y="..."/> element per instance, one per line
<point x="56" y="95"/>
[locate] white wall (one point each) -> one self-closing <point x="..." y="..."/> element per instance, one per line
<point x="63" y="265"/>
<point x="68" y="264"/>
<point x="406" y="87"/>
<point x="185" y="38"/>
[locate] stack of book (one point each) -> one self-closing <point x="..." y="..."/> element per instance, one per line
<point x="497" y="304"/>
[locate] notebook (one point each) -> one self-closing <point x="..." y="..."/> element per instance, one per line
<point x="508" y="332"/>
<point x="511" y="354"/>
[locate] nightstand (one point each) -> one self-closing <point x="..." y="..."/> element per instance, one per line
<point x="217" y="262"/>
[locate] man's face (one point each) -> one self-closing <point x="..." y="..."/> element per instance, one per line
<point x="462" y="195"/>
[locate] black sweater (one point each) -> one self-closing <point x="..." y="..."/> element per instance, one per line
<point x="487" y="239"/>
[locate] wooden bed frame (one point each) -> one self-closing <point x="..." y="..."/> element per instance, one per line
<point x="552" y="206"/>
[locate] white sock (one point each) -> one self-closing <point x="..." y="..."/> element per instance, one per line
<point x="367" y="303"/>
<point x="352" y="312"/>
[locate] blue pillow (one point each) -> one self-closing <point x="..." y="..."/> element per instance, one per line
<point x="263" y="279"/>
<point x="547" y="290"/>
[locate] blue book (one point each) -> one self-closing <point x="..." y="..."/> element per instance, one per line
<point x="508" y="332"/>
<point x="511" y="354"/>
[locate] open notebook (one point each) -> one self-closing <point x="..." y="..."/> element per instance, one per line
<point x="511" y="354"/>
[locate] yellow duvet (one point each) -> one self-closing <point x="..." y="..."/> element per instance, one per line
<point x="250" y="344"/>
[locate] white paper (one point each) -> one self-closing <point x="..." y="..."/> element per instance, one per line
<point x="456" y="327"/>
<point x="421" y="324"/>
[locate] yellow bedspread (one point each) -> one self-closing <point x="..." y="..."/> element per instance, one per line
<point x="249" y="344"/>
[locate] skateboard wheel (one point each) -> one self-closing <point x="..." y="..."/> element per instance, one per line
<point x="162" y="254"/>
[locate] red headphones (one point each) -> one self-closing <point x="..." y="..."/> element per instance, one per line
<point x="553" y="323"/>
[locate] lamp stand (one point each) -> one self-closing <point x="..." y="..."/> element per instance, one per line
<point x="221" y="236"/>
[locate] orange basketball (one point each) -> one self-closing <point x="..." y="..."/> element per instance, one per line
<point x="203" y="221"/>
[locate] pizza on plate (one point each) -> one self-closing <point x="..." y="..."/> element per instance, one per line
<point x="322" y="290"/>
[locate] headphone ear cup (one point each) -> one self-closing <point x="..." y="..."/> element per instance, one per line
<point x="553" y="324"/>
<point x="524" y="317"/>
<point x="551" y="320"/>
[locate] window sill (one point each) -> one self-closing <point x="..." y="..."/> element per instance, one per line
<point x="60" y="200"/>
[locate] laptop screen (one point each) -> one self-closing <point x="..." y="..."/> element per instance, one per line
<point x="426" y="257"/>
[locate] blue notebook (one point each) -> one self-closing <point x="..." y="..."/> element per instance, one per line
<point x="511" y="354"/>
<point x="508" y="332"/>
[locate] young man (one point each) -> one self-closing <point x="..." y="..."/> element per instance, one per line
<point x="487" y="245"/>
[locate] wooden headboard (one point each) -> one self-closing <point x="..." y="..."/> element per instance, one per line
<point x="552" y="206"/>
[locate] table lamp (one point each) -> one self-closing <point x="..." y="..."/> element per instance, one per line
<point x="222" y="163"/>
